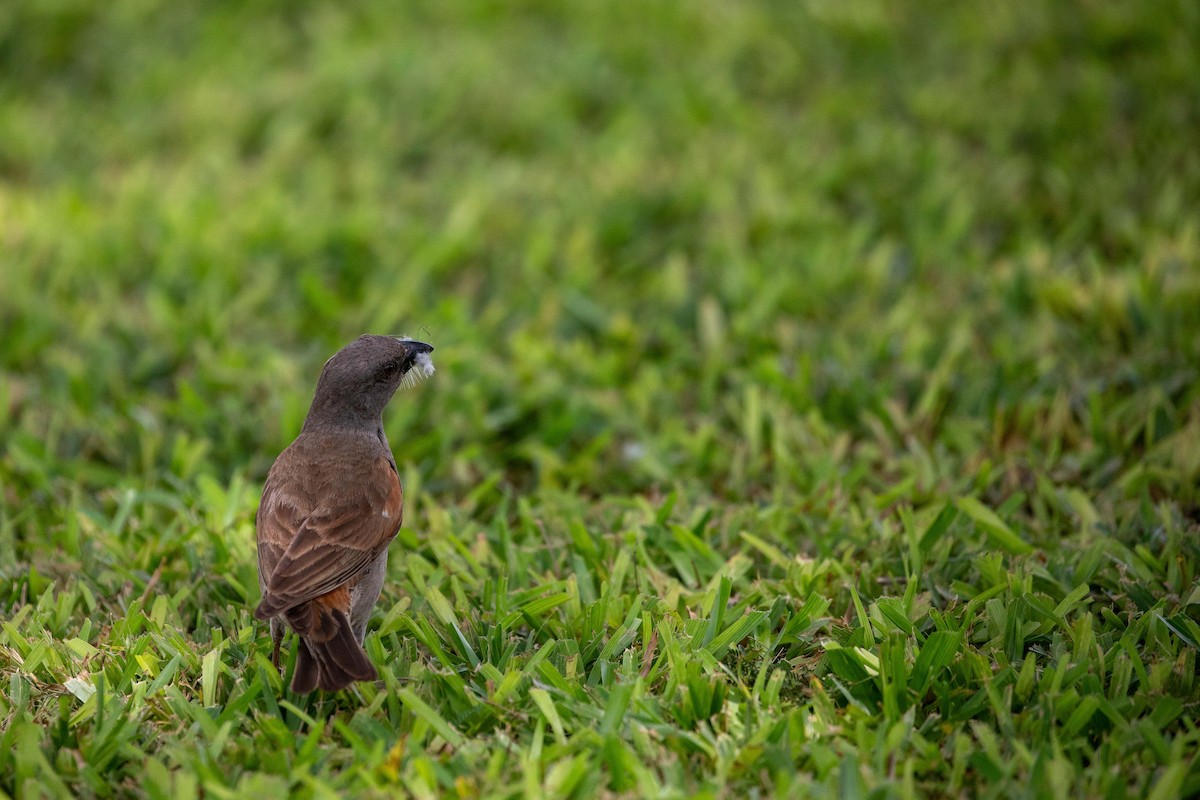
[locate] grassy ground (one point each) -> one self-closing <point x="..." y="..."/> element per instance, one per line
<point x="817" y="410"/>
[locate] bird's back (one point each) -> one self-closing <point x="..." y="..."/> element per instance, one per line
<point x="315" y="476"/>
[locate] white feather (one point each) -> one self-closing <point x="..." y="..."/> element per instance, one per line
<point x="421" y="369"/>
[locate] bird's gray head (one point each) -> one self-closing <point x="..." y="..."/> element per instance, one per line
<point x="359" y="380"/>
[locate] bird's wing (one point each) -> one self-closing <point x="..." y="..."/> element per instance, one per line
<point x="330" y="545"/>
<point x="277" y="521"/>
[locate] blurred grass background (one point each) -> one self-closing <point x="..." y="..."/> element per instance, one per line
<point x="813" y="272"/>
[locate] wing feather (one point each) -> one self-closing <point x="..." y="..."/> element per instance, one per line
<point x="304" y="557"/>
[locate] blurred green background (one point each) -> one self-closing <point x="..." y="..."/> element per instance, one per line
<point x="617" y="223"/>
<point x="793" y="265"/>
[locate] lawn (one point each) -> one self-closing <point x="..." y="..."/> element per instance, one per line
<point x="817" y="410"/>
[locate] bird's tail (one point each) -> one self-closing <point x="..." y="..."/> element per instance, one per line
<point x="329" y="657"/>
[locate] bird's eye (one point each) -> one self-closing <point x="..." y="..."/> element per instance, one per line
<point x="387" y="371"/>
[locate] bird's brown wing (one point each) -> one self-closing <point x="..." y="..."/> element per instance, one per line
<point x="331" y="545"/>
<point x="277" y="521"/>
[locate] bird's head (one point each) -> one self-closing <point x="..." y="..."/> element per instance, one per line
<point x="359" y="380"/>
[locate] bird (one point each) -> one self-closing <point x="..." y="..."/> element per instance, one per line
<point x="331" y="505"/>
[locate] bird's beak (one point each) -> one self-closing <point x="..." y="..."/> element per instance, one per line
<point x="418" y="364"/>
<point x="415" y="346"/>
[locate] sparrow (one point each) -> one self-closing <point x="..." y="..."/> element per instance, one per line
<point x="331" y="504"/>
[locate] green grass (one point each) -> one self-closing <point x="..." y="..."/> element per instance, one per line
<point x="817" y="414"/>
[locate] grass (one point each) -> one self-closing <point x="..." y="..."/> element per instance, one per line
<point x="817" y="411"/>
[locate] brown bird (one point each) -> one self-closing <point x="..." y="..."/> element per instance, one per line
<point x="331" y="505"/>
